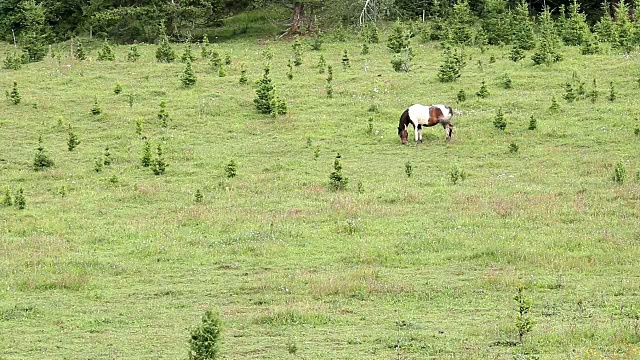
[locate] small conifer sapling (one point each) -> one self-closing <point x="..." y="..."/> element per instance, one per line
<point x="7" y="200"/>
<point x="188" y="77"/>
<point x="499" y="122"/>
<point x="231" y="169"/>
<point x="159" y="165"/>
<point x="72" y="140"/>
<point x="41" y="161"/>
<point x="20" y="200"/>
<point x="204" y="342"/>
<point x="145" y="160"/>
<point x="14" y="95"/>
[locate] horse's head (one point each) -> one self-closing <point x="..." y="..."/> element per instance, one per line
<point x="404" y="136"/>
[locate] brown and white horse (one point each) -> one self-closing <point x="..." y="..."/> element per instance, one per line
<point x="420" y="115"/>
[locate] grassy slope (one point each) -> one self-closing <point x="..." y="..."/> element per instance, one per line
<point x="124" y="270"/>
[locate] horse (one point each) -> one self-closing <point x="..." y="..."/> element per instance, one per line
<point x="420" y="115"/>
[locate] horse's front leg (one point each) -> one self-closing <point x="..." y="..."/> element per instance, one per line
<point x="419" y="134"/>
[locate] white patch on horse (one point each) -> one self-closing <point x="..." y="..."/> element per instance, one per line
<point x="419" y="114"/>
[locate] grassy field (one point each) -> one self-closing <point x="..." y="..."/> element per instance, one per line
<point x="121" y="264"/>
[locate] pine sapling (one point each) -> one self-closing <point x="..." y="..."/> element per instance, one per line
<point x="524" y="323"/>
<point x="204" y="342"/>
<point x="72" y="140"/>
<point x="408" y="169"/>
<point x="345" y="59"/>
<point x="243" y="75"/>
<point x="612" y="92"/>
<point x="139" y="123"/>
<point x="7" y="200"/>
<point x="133" y="55"/>
<point x="20" y="200"/>
<point x="106" y="156"/>
<point x="483" y="92"/>
<point x="365" y="49"/>
<point x="222" y="71"/>
<point x="337" y="181"/>
<point x="199" y="197"/>
<point x="297" y="52"/>
<point x="117" y="89"/>
<point x="41" y="161"/>
<point x="106" y="52"/>
<point x="96" y="109"/>
<point x="290" y="71"/>
<point x="533" y="124"/>
<point x="187" y="55"/>
<point x="78" y="51"/>
<point x="227" y="60"/>
<point x="164" y="52"/>
<point x="231" y="169"/>
<point x="163" y="115"/>
<point x="99" y="165"/>
<point x="513" y="148"/>
<point x="145" y="160"/>
<point x="619" y="173"/>
<point x="554" y="104"/>
<point x="322" y="64"/>
<point x="499" y="122"/>
<point x="14" y="95"/>
<point x="506" y="82"/>
<point x="159" y="165"/>
<point x="188" y="77"/>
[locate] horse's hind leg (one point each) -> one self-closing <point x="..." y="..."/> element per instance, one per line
<point x="419" y="134"/>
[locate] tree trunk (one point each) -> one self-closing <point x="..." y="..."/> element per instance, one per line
<point x="298" y="17"/>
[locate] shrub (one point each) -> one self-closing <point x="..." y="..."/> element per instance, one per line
<point x="402" y="62"/>
<point x="619" y="173"/>
<point x="106" y="52"/>
<point x="513" y="148"/>
<point x="13" y="61"/>
<point x="516" y="54"/>
<point x="399" y="38"/>
<point x="199" y="197"/>
<point x="204" y="342"/>
<point x="117" y="89"/>
<point x="316" y="41"/>
<point x="462" y="96"/>
<point x="506" y="82"/>
<point x="106" y="157"/>
<point x="456" y="174"/>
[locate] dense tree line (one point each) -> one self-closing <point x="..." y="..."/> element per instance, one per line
<point x="146" y="20"/>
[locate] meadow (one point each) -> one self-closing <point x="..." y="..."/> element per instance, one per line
<point x="122" y="263"/>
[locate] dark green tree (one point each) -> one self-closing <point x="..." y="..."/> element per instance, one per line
<point x="188" y="77"/>
<point x="72" y="140"/>
<point x="547" y="51"/>
<point x="133" y="55"/>
<point x="159" y="165"/>
<point x="14" y="95"/>
<point x="106" y="53"/>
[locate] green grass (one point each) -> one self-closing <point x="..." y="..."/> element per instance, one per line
<point x="411" y="268"/>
